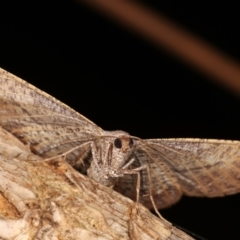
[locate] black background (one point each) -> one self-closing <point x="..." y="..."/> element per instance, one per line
<point x="111" y="76"/>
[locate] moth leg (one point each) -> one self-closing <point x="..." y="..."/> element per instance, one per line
<point x="129" y="163"/>
<point x="106" y="157"/>
<point x="138" y="190"/>
<point x="137" y="171"/>
<point x="134" y="171"/>
<point x="95" y="155"/>
<point x="150" y="195"/>
<point x="67" y="152"/>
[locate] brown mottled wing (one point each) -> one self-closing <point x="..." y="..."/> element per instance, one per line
<point x="195" y="167"/>
<point x="165" y="187"/>
<point x="47" y="125"/>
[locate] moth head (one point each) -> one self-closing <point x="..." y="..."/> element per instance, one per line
<point x="113" y="151"/>
<point x="118" y="147"/>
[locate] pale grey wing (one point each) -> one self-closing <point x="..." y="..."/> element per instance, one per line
<point x="47" y="125"/>
<point x="207" y="168"/>
<point x="165" y="188"/>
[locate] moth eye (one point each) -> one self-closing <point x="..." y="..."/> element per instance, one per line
<point x="130" y="142"/>
<point x="118" y="143"/>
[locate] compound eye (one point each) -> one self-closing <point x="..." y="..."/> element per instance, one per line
<point x="118" y="143"/>
<point x="130" y="142"/>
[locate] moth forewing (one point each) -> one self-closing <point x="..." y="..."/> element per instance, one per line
<point x="40" y="120"/>
<point x="203" y="167"/>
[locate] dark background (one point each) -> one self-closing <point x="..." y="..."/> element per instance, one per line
<point x="111" y="76"/>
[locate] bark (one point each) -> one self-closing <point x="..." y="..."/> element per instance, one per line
<point x="50" y="200"/>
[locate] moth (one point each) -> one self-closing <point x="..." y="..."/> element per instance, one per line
<point x="161" y="170"/>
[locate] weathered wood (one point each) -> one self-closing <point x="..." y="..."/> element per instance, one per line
<point x="51" y="200"/>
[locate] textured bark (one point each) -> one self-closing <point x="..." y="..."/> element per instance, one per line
<point x="50" y="200"/>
